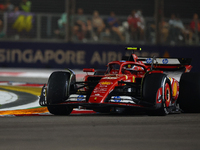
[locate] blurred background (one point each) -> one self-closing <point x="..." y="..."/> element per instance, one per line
<point x="69" y="32"/>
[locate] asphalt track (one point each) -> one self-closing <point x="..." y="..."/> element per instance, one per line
<point x="100" y="132"/>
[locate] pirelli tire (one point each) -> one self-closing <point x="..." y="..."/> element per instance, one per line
<point x="58" y="90"/>
<point x="152" y="84"/>
<point x="189" y="92"/>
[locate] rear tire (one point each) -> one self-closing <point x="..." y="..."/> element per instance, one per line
<point x="58" y="90"/>
<point x="151" y="90"/>
<point x="189" y="97"/>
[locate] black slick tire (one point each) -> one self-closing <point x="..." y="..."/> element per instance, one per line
<point x="58" y="92"/>
<point x="189" y="92"/>
<point x="152" y="83"/>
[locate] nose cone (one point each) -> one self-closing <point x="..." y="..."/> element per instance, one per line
<point x="103" y="88"/>
<point x="101" y="91"/>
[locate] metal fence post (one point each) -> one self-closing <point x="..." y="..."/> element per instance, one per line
<point x="196" y="33"/>
<point x="5" y="23"/>
<point x="159" y="7"/>
<point x="67" y="25"/>
<point x="38" y="26"/>
<point x="49" y="18"/>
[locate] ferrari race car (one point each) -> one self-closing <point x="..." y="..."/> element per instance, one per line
<point x="131" y="84"/>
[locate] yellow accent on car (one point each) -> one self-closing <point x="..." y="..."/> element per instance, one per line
<point x="133" y="78"/>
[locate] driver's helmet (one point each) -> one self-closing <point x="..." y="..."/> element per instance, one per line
<point x="130" y="67"/>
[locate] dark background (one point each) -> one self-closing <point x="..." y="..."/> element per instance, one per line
<point x="185" y="8"/>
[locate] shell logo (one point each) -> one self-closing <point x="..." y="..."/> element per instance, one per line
<point x="126" y="77"/>
<point x="174" y="89"/>
<point x="105" y="83"/>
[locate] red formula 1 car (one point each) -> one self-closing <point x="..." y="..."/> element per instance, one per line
<point x="130" y="84"/>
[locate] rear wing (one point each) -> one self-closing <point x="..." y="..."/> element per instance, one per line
<point x="173" y="67"/>
<point x="168" y="64"/>
<point x="166" y="61"/>
<point x="160" y="61"/>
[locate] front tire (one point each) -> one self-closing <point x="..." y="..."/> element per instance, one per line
<point x="58" y="90"/>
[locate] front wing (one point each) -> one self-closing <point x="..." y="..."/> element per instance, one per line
<point x="76" y="100"/>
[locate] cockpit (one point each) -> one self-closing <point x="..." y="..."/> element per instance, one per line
<point x="113" y="68"/>
<point x="124" y="68"/>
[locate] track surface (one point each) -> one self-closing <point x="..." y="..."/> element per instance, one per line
<point x="100" y="132"/>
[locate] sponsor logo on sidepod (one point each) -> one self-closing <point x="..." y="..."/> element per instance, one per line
<point x="80" y="98"/>
<point x="117" y="98"/>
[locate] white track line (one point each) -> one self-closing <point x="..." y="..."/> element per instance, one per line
<point x="26" y="106"/>
<point x="7" y="97"/>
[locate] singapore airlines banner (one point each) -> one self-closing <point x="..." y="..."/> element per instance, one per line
<point x="79" y="56"/>
<point x="59" y="55"/>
